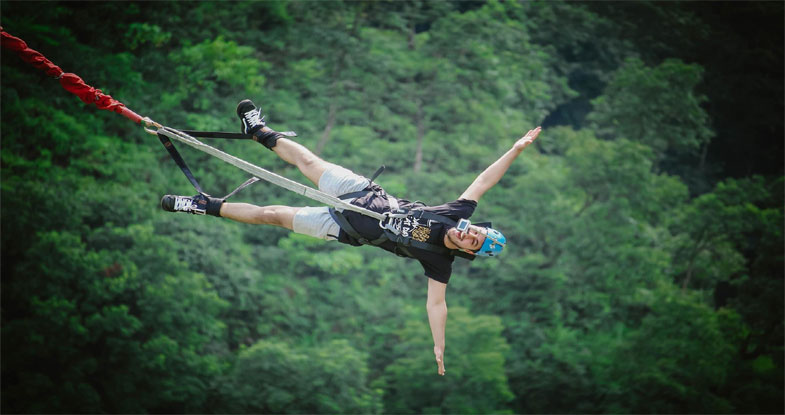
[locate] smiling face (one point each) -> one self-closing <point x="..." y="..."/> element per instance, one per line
<point x="470" y="241"/>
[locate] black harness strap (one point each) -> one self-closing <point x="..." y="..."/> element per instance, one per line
<point x="344" y="224"/>
<point x="355" y="195"/>
<point x="361" y="193"/>
<point x="377" y="173"/>
<point x="349" y="229"/>
<point x="178" y="159"/>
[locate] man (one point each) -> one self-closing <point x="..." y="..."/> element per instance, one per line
<point x="431" y="235"/>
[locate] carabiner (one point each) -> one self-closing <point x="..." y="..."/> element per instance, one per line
<point x="148" y="122"/>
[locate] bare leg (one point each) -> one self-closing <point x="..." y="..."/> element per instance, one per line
<point x="295" y="153"/>
<point x="260" y="215"/>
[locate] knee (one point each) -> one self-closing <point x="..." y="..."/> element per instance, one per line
<point x="274" y="215"/>
<point x="313" y="167"/>
<point x="309" y="160"/>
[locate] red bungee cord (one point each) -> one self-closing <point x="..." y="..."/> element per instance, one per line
<point x="71" y="82"/>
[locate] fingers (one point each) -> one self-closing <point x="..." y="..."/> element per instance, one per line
<point x="531" y="135"/>
<point x="439" y="360"/>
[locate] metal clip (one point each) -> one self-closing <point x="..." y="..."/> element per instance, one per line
<point x="383" y="221"/>
<point x="387" y="223"/>
<point x="148" y="123"/>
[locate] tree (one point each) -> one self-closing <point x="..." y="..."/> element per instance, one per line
<point x="114" y="332"/>
<point x="274" y="377"/>
<point x="657" y="106"/>
<point x="634" y="269"/>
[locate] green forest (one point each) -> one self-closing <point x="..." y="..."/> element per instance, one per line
<point x="644" y="266"/>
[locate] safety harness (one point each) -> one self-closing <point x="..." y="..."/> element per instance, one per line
<point x="390" y="224"/>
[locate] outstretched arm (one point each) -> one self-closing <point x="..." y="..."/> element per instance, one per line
<point x="437" y="317"/>
<point x="495" y="171"/>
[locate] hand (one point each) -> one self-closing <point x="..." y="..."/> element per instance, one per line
<point x="524" y="141"/>
<point x="439" y="359"/>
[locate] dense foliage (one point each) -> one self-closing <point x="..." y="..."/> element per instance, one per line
<point x="645" y="268"/>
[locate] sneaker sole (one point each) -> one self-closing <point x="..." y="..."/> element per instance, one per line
<point x="167" y="203"/>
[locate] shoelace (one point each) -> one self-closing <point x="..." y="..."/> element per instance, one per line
<point x="253" y="118"/>
<point x="183" y="203"/>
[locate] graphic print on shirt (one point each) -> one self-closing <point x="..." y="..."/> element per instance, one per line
<point x="421" y="233"/>
<point x="412" y="227"/>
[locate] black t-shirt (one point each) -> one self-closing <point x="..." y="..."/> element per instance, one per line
<point x="436" y="266"/>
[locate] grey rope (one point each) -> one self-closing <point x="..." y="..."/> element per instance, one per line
<point x="273" y="178"/>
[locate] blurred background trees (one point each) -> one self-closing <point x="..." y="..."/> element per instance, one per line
<point x="645" y="268"/>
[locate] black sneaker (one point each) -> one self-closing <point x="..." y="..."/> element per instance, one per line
<point x="251" y="117"/>
<point x="253" y="123"/>
<point x="191" y="204"/>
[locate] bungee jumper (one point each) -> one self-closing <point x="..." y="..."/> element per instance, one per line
<point x="433" y="235"/>
<point x="359" y="211"/>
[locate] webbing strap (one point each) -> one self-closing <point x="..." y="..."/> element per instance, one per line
<point x="378" y="172"/>
<point x="354" y="195"/>
<point x="344" y="224"/>
<point x="178" y="159"/>
<point x="245" y="184"/>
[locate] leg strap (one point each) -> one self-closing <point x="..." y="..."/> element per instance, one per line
<point x="178" y="159"/>
<point x="267" y="138"/>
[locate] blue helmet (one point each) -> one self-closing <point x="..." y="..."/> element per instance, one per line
<point x="494" y="243"/>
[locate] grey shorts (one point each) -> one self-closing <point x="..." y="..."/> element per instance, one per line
<point x="316" y="221"/>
